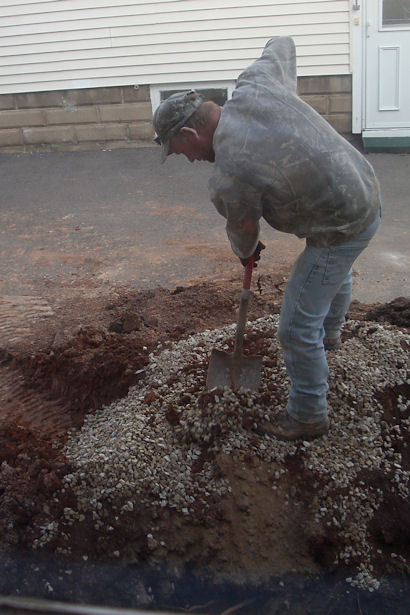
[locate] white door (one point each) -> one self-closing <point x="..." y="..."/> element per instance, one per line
<point x="387" y="79"/>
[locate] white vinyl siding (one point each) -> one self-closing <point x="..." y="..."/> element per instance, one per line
<point x="68" y="44"/>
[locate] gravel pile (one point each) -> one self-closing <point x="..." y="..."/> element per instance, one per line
<point x="159" y="444"/>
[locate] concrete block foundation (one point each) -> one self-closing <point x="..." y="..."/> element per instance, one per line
<point x="97" y="118"/>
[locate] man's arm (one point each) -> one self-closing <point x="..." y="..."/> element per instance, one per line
<point x="280" y="52"/>
<point x="240" y="204"/>
<point x="256" y="255"/>
<point x="277" y="62"/>
<point x="243" y="234"/>
<point x="242" y="225"/>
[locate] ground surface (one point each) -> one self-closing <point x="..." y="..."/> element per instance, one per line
<point x="122" y="217"/>
<point x="65" y="354"/>
<point x="81" y="235"/>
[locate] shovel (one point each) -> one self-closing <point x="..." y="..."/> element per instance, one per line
<point x="234" y="370"/>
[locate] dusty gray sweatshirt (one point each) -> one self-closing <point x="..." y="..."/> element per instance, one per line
<point x="276" y="158"/>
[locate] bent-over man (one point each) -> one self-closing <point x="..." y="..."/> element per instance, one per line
<point x="278" y="159"/>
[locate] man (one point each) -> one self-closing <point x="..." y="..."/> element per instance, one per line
<point x="276" y="158"/>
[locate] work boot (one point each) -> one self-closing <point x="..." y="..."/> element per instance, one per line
<point x="332" y="343"/>
<point x="288" y="428"/>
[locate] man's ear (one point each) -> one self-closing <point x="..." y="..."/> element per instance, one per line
<point x="189" y="133"/>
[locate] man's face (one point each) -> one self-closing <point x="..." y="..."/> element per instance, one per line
<point x="194" y="147"/>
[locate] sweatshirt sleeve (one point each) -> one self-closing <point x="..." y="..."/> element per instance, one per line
<point x="277" y="62"/>
<point x="241" y="205"/>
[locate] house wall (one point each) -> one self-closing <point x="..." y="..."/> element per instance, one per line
<point x="75" y="119"/>
<point x="69" y="120"/>
<point x="73" y="71"/>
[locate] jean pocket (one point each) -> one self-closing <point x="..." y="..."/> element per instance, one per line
<point x="338" y="265"/>
<point x="317" y="271"/>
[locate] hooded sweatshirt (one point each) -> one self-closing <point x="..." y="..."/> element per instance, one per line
<point x="277" y="158"/>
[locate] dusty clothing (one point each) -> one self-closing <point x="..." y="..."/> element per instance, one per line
<point x="276" y="158"/>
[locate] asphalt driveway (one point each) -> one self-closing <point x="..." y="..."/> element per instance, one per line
<point x="120" y="217"/>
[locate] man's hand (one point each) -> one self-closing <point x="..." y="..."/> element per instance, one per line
<point x="256" y="255"/>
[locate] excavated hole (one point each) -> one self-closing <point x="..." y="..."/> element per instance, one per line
<point x="91" y="366"/>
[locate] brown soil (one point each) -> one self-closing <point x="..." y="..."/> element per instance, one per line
<point x="63" y="357"/>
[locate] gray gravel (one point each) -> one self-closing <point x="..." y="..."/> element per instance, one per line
<point x="144" y="446"/>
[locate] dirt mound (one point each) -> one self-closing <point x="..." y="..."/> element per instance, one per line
<point x="81" y="354"/>
<point x="31" y="470"/>
<point x="87" y="351"/>
<point x="396" y="312"/>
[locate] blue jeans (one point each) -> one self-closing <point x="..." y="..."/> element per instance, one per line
<point x="317" y="297"/>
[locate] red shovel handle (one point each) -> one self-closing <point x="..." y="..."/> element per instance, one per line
<point x="247" y="276"/>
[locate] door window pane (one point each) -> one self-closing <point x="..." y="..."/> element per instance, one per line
<point x="396" y="12"/>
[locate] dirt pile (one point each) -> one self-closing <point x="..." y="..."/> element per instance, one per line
<point x="169" y="497"/>
<point x="173" y="446"/>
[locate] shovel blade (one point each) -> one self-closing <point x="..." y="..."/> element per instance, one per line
<point x="225" y="370"/>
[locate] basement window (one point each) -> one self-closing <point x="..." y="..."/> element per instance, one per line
<point x="219" y="93"/>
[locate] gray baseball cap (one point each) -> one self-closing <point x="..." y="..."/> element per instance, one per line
<point x="172" y="114"/>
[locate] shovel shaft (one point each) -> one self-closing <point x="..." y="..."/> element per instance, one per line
<point x="247" y="276"/>
<point x="243" y="309"/>
<point x="241" y="323"/>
